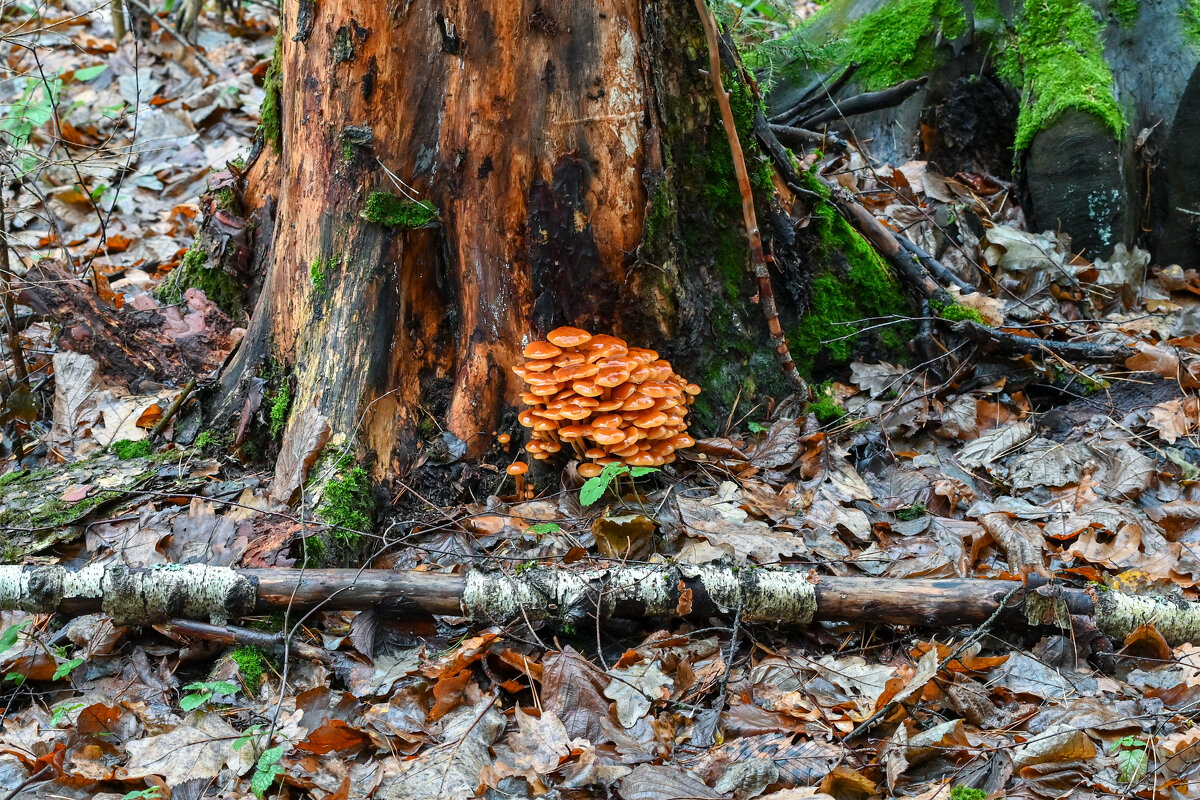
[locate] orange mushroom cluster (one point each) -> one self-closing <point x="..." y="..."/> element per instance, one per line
<point x="609" y="402"/>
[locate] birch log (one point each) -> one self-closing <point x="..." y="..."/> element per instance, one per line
<point x="761" y="595"/>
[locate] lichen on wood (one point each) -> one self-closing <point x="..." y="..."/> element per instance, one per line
<point x="1119" y="614"/>
<point x="129" y="595"/>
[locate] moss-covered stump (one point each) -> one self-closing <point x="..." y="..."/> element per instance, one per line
<point x="1078" y="177"/>
<point x="40" y="508"/>
<point x="1121" y="65"/>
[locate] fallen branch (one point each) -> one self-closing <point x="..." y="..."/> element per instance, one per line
<point x="865" y="103"/>
<point x="817" y="92"/>
<point x="766" y="294"/>
<point x="801" y="137"/>
<point x="779" y="596"/>
<point x="1001" y="342"/>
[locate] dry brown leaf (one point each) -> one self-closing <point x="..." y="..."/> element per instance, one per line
<point x="306" y="434"/>
<point x="75" y="383"/>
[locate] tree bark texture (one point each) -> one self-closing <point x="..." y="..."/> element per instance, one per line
<point x="564" y="147"/>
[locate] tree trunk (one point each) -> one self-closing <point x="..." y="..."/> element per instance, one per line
<point x="580" y="176"/>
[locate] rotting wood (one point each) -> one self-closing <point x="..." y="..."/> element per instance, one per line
<point x="764" y="595"/>
<point x="1011" y="344"/>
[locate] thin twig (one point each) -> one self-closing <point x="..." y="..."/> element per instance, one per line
<point x="766" y="295"/>
<point x="6" y="288"/>
<point x="140" y="6"/>
<point x="173" y="409"/>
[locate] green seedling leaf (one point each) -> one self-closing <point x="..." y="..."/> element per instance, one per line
<point x="544" y="527"/>
<point x="594" y="488"/>
<point x="756" y="427"/>
<point x="203" y="691"/>
<point x="66" y="668"/>
<point x="143" y="794"/>
<point x="247" y="736"/>
<point x="266" y="770"/>
<point x="637" y="472"/>
<point x="9" y="637"/>
<point x="15" y="677"/>
<point x="88" y="73"/>
<point x="61" y="712"/>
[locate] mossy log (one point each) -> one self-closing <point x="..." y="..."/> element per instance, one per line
<point x="1087" y="101"/>
<point x="570" y="597"/>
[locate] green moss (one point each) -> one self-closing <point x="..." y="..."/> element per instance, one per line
<point x="204" y="440"/>
<point x="1056" y="57"/>
<point x="840" y="297"/>
<point x="826" y="407"/>
<point x="966" y="793"/>
<point x="227" y="200"/>
<point x="13" y="477"/>
<point x="126" y="449"/>
<point x="217" y="284"/>
<point x="347" y="152"/>
<point x="348" y="505"/>
<point x="394" y="211"/>
<point x="898" y="41"/>
<point x="280" y="408"/>
<point x="1126" y="11"/>
<point x="915" y="511"/>
<point x="1189" y="16"/>
<point x="316" y="274"/>
<point x="252" y="664"/>
<point x="956" y="312"/>
<point x="270" y="113"/>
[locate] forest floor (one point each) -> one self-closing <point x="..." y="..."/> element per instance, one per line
<point x="964" y="464"/>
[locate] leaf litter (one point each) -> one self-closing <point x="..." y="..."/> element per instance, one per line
<point x="981" y="466"/>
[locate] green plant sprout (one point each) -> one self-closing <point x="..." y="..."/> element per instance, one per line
<point x="203" y="691"/>
<point x="594" y="488"/>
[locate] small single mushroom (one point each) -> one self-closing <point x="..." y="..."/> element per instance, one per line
<point x="643" y="460"/>
<point x="589" y="470"/>
<point x="568" y="337"/>
<point x="595" y="452"/>
<point x="518" y="470"/>
<point x="539" y="366"/>
<point x="569" y="358"/>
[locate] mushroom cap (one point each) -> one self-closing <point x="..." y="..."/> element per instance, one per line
<point x="608" y="436"/>
<point x="587" y="470"/>
<point x="541" y="350"/>
<point x="540" y="379"/>
<point x="692" y="389"/>
<point x="611" y="376"/>
<point x="518" y="468"/>
<point x="530" y="399"/>
<point x="575" y="372"/>
<point x="682" y="440"/>
<point x="576" y="412"/>
<point x="602" y="346"/>
<point x="643" y="355"/>
<point x="504" y="438"/>
<point x="641" y="374"/>
<point x="543" y="424"/>
<point x="607" y="421"/>
<point x="539" y="366"/>
<point x="636" y="402"/>
<point x="643" y="460"/>
<point x="568" y="337"/>
<point x="569" y="358"/>
<point x="587" y="388"/>
<point x="545" y="391"/>
<point x="626" y="451"/>
<point x="569" y="432"/>
<point x="551" y="447"/>
<point x="526" y="418"/>
<point x="595" y="452"/>
<point x="611" y="404"/>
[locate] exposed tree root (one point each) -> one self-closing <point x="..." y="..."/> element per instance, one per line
<point x="1001" y="342"/>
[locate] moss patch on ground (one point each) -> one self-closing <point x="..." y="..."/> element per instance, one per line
<point x="126" y="449"/>
<point x="1056" y="57"/>
<point x="252" y="664"/>
<point x="840" y="299"/>
<point x="217" y="284"/>
<point x="956" y="312"/>
<point x="348" y="505"/>
<point x="394" y="211"/>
